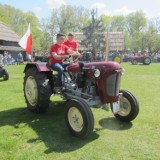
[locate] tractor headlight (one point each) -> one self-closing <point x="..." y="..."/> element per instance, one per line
<point x="97" y="73"/>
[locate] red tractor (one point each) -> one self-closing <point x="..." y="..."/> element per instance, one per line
<point x="4" y="73"/>
<point x="86" y="85"/>
<point x="141" y="59"/>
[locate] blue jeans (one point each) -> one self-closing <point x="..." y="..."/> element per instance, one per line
<point x="59" y="67"/>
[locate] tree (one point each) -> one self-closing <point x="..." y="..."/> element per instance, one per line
<point x="152" y="39"/>
<point x="106" y="20"/>
<point x="136" y="22"/>
<point x="18" y="21"/>
<point x="155" y="22"/>
<point x="94" y="33"/>
<point x="48" y="33"/>
<point x="118" y="24"/>
<point x="69" y="19"/>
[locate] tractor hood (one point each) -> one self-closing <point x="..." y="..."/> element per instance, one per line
<point x="103" y="66"/>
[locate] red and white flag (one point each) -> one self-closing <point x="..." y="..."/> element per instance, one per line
<point x="26" y="41"/>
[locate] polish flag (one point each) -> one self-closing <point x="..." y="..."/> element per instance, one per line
<point x="26" y="41"/>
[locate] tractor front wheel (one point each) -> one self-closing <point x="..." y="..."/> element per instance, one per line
<point x="129" y="107"/>
<point x="134" y="61"/>
<point x="37" y="90"/>
<point x="79" y="118"/>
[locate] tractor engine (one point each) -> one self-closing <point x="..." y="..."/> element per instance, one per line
<point x="96" y="80"/>
<point x="82" y="84"/>
<point x="90" y="87"/>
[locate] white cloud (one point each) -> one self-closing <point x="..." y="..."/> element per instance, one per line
<point x="122" y="11"/>
<point x="38" y="9"/>
<point x="99" y="6"/>
<point x="55" y="3"/>
<point x="147" y="14"/>
<point x="125" y="11"/>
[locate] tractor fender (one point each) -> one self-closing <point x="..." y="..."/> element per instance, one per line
<point x="41" y="66"/>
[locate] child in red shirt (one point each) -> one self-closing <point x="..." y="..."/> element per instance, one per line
<point x="58" y="53"/>
<point x="71" y="43"/>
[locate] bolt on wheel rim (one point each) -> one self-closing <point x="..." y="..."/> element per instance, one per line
<point x="75" y="119"/>
<point x="31" y="91"/>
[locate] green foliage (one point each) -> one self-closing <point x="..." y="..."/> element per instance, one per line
<point x="69" y="19"/>
<point x="94" y="33"/>
<point x="118" y="24"/>
<point x="18" y="21"/>
<point x="136" y="22"/>
<point x="140" y="33"/>
<point x="105" y="19"/>
<point x="152" y="39"/>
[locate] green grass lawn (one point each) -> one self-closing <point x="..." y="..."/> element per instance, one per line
<point x="28" y="136"/>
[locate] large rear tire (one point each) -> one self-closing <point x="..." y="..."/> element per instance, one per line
<point x="37" y="90"/>
<point x="79" y="118"/>
<point x="147" y="61"/>
<point x="129" y="107"/>
<point x="5" y="75"/>
<point x="117" y="59"/>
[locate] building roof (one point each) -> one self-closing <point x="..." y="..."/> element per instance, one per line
<point x="8" y="34"/>
<point x="10" y="48"/>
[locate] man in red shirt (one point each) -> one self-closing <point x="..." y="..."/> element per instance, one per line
<point x="71" y="43"/>
<point x="58" y="53"/>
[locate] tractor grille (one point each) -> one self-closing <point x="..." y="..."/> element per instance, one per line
<point x="113" y="84"/>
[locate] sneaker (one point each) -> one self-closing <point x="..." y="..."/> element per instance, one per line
<point x="57" y="90"/>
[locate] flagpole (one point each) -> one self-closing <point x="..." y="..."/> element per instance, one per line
<point x="32" y="45"/>
<point x="26" y="41"/>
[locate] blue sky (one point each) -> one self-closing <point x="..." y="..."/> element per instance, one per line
<point x="43" y="8"/>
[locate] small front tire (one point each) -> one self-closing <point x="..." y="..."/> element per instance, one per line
<point x="79" y="118"/>
<point x="129" y="107"/>
<point x="134" y="61"/>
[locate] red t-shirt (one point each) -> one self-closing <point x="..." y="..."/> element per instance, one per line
<point x="72" y="45"/>
<point x="60" y="50"/>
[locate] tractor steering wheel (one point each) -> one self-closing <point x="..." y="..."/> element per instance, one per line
<point x="70" y="59"/>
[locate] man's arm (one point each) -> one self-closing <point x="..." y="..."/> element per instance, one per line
<point x="74" y="53"/>
<point x="58" y="57"/>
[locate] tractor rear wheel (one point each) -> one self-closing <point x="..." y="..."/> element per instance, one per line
<point x="129" y="107"/>
<point x="5" y="75"/>
<point x="147" y="61"/>
<point x="79" y="118"/>
<point x="37" y="90"/>
<point x="117" y="59"/>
